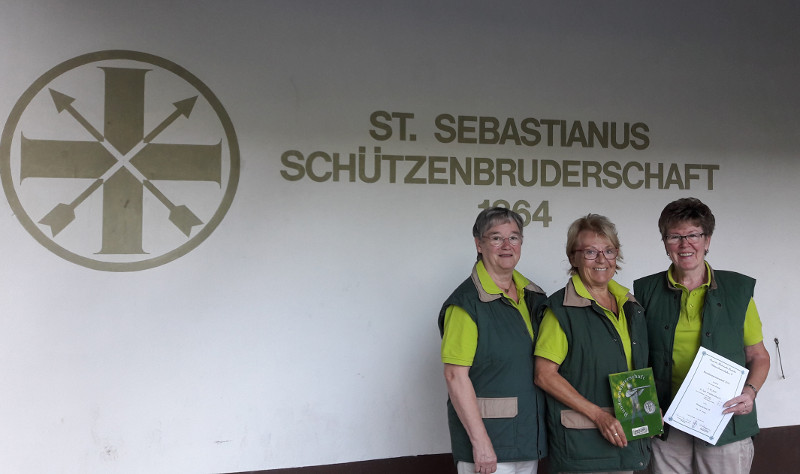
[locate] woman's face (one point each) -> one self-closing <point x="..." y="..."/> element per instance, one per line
<point x="686" y="256"/>
<point x="503" y="258"/>
<point x="598" y="272"/>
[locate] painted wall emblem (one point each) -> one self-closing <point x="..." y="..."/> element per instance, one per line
<point x="119" y="160"/>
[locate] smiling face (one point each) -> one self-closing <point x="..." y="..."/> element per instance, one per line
<point x="593" y="273"/>
<point x="688" y="258"/>
<point x="504" y="258"/>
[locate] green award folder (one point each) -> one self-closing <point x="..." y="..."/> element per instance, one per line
<point x="636" y="403"/>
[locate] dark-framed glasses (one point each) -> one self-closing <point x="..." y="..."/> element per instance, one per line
<point x="497" y="240"/>
<point x="592" y="254"/>
<point x="674" y="239"/>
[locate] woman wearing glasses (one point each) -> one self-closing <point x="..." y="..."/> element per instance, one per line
<point x="591" y="328"/>
<point x="691" y="305"/>
<point x="494" y="410"/>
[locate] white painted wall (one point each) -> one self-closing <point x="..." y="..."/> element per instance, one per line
<point x="303" y="330"/>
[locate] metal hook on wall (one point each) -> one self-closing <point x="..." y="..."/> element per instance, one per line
<point x="780" y="362"/>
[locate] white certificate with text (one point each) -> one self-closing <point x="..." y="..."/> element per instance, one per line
<point x="697" y="407"/>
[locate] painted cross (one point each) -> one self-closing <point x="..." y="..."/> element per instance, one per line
<point x="122" y="160"/>
<point x="142" y="173"/>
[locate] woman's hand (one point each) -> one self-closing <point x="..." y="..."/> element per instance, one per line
<point x="610" y="428"/>
<point x="546" y="376"/>
<point x="741" y="405"/>
<point x="485" y="458"/>
<point x="462" y="395"/>
<point x="757" y="362"/>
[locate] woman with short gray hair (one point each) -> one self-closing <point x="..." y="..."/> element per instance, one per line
<point x="487" y="325"/>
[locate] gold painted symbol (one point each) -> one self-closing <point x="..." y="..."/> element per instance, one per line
<point x="101" y="199"/>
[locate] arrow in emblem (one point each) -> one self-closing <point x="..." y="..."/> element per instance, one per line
<point x="182" y="107"/>
<point x="61" y="215"/>
<point x="64" y="102"/>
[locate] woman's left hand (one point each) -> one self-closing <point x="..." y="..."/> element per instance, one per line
<point x="546" y="376"/>
<point x="757" y="362"/>
<point x="611" y="429"/>
<point x="741" y="405"/>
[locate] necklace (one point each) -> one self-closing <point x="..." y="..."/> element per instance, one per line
<point x="613" y="307"/>
<point x="607" y="297"/>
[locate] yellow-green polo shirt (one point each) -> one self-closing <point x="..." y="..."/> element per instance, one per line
<point x="552" y="342"/>
<point x="460" y="338"/>
<point x="690" y="324"/>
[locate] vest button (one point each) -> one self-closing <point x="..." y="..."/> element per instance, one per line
<point x="708" y="334"/>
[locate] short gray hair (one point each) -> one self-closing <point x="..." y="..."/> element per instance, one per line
<point x="493" y="216"/>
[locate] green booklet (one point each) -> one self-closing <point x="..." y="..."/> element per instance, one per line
<point x="636" y="403"/>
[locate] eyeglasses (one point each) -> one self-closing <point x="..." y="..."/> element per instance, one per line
<point x="592" y="254"/>
<point x="497" y="240"/>
<point x="674" y="239"/>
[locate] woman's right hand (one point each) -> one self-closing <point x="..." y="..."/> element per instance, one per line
<point x="484" y="457"/>
<point x="462" y="395"/>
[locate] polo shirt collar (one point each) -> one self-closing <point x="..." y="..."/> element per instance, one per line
<point x="488" y="289"/>
<point x="711" y="282"/>
<point x="576" y="294"/>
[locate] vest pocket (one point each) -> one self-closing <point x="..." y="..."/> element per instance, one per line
<point x="578" y="421"/>
<point x="582" y="440"/>
<point x="499" y="418"/>
<point x="498" y="407"/>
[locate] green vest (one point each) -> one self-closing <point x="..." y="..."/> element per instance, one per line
<point x="724" y="312"/>
<point x="502" y="375"/>
<point x="595" y="351"/>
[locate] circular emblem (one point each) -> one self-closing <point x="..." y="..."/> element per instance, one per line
<point x="649" y="407"/>
<point x="119" y="160"/>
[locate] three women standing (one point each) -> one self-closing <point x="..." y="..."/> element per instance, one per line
<point x="589" y="329"/>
